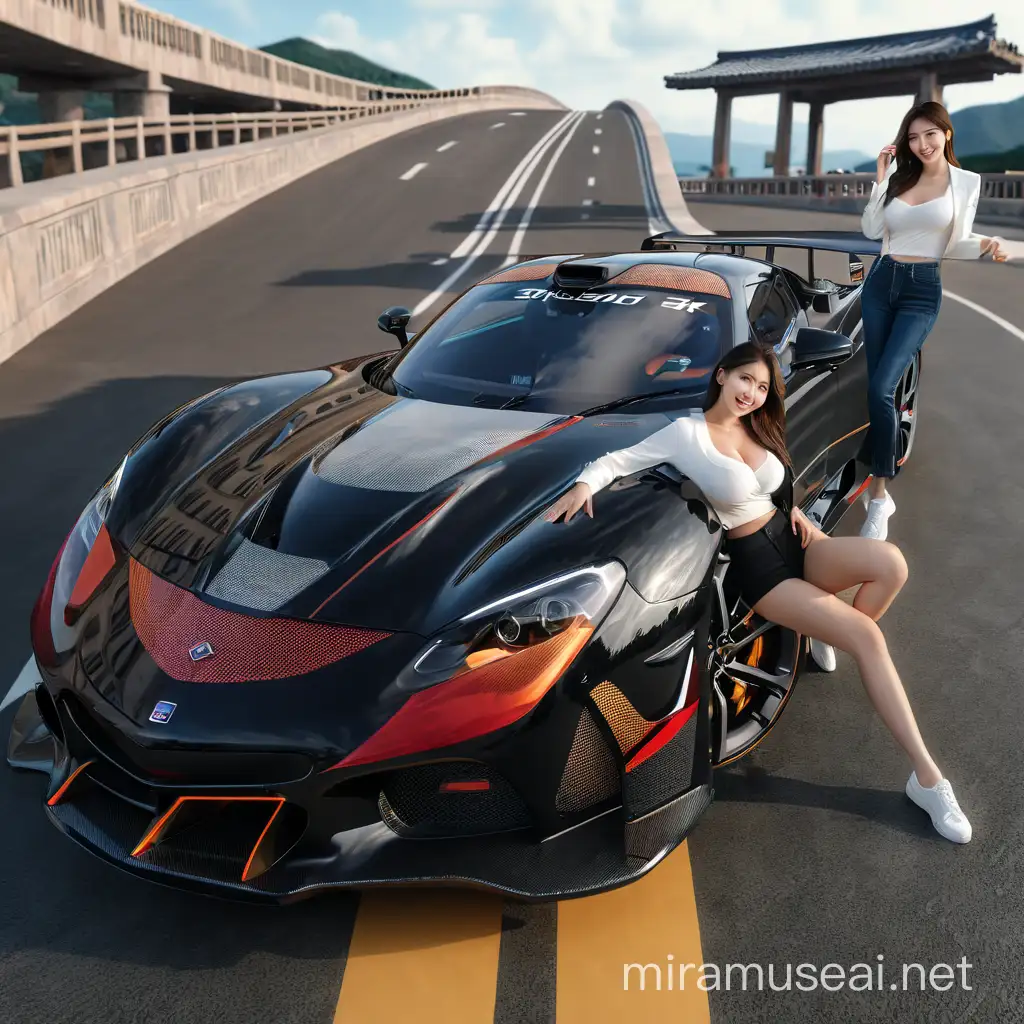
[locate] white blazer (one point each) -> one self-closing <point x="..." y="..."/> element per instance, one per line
<point x="964" y="243"/>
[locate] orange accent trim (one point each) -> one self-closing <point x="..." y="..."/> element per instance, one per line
<point x="100" y="560"/>
<point x="152" y="836"/>
<point x="266" y="829"/>
<point x="472" y="786"/>
<point x="860" y="490"/>
<point x="56" y="798"/>
<point x="673" y="278"/>
<point x="382" y="552"/>
<point x="523" y="272"/>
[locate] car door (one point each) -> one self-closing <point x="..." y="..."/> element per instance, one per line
<point x="775" y="317"/>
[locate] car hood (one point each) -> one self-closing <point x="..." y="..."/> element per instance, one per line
<point x="395" y="514"/>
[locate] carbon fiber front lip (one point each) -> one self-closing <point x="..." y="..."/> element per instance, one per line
<point x="589" y="859"/>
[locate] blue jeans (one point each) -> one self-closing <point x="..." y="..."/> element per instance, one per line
<point x="900" y="304"/>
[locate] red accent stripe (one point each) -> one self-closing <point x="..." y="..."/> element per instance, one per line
<point x="474" y="786"/>
<point x="537" y="435"/>
<point x="382" y="552"/>
<point x="98" y="563"/>
<point x="662" y="737"/>
<point x="58" y="796"/>
<point x="263" y="835"/>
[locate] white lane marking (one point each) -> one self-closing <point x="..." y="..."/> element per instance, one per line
<point x="599" y="116"/>
<point x="501" y="203"/>
<point x="988" y="314"/>
<point x="588" y="202"/>
<point x="598" y="131"/>
<point x="591" y="182"/>
<point x="597" y="149"/>
<point x="584" y="216"/>
<point x="439" y="263"/>
<point x="473" y="237"/>
<point x="447" y="145"/>
<point x="500" y="124"/>
<point x="27" y="679"/>
<point x="412" y="172"/>
<point x="517" y="239"/>
<point x="517" y="113"/>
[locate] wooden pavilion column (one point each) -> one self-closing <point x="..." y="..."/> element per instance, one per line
<point x="723" y="131"/>
<point x="783" y="134"/>
<point x="815" y="138"/>
<point x="929" y="88"/>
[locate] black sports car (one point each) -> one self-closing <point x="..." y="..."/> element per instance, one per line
<point x="315" y="632"/>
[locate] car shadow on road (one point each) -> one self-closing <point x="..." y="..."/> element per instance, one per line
<point x="753" y="785"/>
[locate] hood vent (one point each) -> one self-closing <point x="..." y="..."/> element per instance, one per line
<point x="262" y="579"/>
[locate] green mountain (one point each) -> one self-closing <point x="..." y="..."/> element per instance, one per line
<point x="996" y="163"/>
<point x="984" y="132"/>
<point x="341" y="62"/>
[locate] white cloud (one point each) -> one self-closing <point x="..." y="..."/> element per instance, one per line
<point x="241" y="10"/>
<point x="587" y="53"/>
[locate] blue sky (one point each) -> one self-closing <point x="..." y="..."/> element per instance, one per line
<point x="589" y="52"/>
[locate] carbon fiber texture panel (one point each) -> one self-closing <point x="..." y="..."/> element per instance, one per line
<point x="660" y="275"/>
<point x="170" y="621"/>
<point x="415" y="796"/>
<point x="662" y="776"/>
<point x="262" y="579"/>
<point x="531" y="272"/>
<point x="402" y="450"/>
<point x="591" y="774"/>
<point x="666" y="827"/>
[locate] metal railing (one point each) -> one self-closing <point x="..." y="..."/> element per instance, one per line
<point x="832" y="186"/>
<point x="77" y="146"/>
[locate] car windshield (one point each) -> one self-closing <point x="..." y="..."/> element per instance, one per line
<point x="556" y="351"/>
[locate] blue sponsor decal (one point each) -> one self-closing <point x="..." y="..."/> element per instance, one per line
<point x="163" y="711"/>
<point x="200" y="651"/>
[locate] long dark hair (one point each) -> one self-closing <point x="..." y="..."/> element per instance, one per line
<point x="767" y="423"/>
<point x="908" y="167"/>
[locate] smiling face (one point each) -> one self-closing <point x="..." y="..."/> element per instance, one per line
<point x="744" y="388"/>
<point x="927" y="141"/>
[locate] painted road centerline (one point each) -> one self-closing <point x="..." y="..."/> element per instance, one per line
<point x="500" y="124"/>
<point x="412" y="172"/>
<point x="591" y="182"/>
<point x="597" y="149"/>
<point x="447" y="145"/>
<point x="643" y="923"/>
<point x="423" y="957"/>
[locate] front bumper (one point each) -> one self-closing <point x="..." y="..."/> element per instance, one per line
<point x="270" y="844"/>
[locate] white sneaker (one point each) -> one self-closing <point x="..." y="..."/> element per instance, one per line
<point x="876" y="526"/>
<point x="823" y="655"/>
<point x="941" y="805"/>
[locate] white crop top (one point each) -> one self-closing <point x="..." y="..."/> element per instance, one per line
<point x="921" y="230"/>
<point x="737" y="493"/>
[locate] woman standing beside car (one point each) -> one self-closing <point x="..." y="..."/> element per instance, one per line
<point x="922" y="205"/>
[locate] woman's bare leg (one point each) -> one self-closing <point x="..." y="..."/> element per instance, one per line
<point x="809" y="610"/>
<point x="835" y="564"/>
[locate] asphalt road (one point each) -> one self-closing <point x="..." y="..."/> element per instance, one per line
<point x="811" y="854"/>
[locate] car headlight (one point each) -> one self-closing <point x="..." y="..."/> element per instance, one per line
<point x="82" y="565"/>
<point x="493" y="666"/>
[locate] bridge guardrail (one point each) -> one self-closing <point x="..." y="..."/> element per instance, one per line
<point x="105" y="143"/>
<point x="826" y="186"/>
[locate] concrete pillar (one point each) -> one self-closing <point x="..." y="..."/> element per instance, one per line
<point x="723" y="131"/>
<point x="147" y="97"/>
<point x="929" y="88"/>
<point x="815" y="138"/>
<point x="783" y="134"/>
<point x="55" y="107"/>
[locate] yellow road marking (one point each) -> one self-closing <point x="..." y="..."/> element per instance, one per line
<point x="643" y="923"/>
<point x="422" y="957"/>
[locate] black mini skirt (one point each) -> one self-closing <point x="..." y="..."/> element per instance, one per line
<point x="762" y="560"/>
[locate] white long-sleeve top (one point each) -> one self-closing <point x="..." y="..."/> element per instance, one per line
<point x="960" y="241"/>
<point x="737" y="493"/>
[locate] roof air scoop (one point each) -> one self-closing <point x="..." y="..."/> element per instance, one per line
<point x="580" y="276"/>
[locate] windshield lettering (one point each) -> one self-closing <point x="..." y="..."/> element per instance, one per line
<point x="613" y="297"/>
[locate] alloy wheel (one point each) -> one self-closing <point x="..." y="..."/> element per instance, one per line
<point x="906" y="407"/>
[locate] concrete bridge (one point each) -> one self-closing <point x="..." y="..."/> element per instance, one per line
<point x="156" y="65"/>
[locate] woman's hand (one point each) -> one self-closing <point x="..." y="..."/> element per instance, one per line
<point x="991" y="245"/>
<point x="885" y="158"/>
<point x="802" y="526"/>
<point x="570" y="503"/>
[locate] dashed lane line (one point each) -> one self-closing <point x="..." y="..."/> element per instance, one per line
<point x="597" y="149"/>
<point x="412" y="172"/>
<point x="500" y="124"/>
<point x="446" y="146"/>
<point x="591" y="182"/>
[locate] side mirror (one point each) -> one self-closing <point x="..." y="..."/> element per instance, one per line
<point x="817" y="348"/>
<point x="394" y="320"/>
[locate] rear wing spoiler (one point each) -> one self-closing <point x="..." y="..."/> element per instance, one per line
<point x="853" y="243"/>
